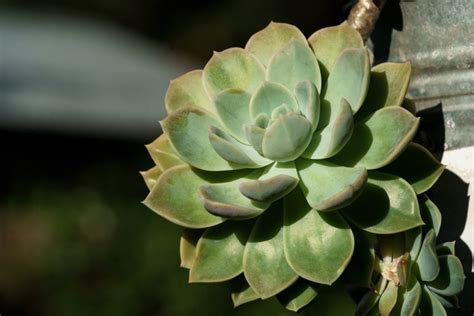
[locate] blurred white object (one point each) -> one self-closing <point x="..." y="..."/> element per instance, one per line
<point x="81" y="76"/>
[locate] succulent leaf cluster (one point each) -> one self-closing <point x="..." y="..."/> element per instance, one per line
<point x="279" y="159"/>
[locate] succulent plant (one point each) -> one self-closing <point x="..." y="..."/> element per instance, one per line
<point x="277" y="157"/>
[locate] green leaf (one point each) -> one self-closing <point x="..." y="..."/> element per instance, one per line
<point x="427" y="262"/>
<point x="287" y="137"/>
<point x="447" y="302"/>
<point x="327" y="186"/>
<point x="162" y="153"/>
<point x="265" y="265"/>
<point x="255" y="135"/>
<point x="269" y="96"/>
<point x="219" y="252"/>
<point x="450" y="280"/>
<point x="446" y="248"/>
<point x="187" y="130"/>
<point x="151" y="176"/>
<point x="361" y="267"/>
<point x="431" y="215"/>
<point x="267" y="42"/>
<point x="233" y="151"/>
<point x="187" y="90"/>
<point x="309" y="102"/>
<point x="333" y="137"/>
<point x="417" y="166"/>
<point x="377" y="142"/>
<point x="369" y="301"/>
<point x="331" y="301"/>
<point x="388" y="86"/>
<point x="318" y="246"/>
<point x="187" y="246"/>
<point x="413" y="241"/>
<point x="388" y="299"/>
<point x="348" y="79"/>
<point x="298" y="295"/>
<point x="292" y="64"/>
<point x="241" y="291"/>
<point x="225" y="199"/>
<point x="232" y="107"/>
<point x="233" y="68"/>
<point x="328" y="43"/>
<point x="175" y="197"/>
<point x="430" y="304"/>
<point x="409" y="298"/>
<point x="277" y="180"/>
<point x="387" y="205"/>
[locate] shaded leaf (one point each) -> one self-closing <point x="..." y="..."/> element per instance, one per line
<point x="332" y="300"/>
<point x="269" y="96"/>
<point x="446" y="248"/>
<point x="361" y="267"/>
<point x="241" y="292"/>
<point x="427" y="262"/>
<point x="431" y="215"/>
<point x="298" y="295"/>
<point x="151" y="176"/>
<point x="430" y="305"/>
<point x="162" y="153"/>
<point x="450" y="280"/>
<point x="187" y="246"/>
<point x="388" y="299"/>
<point x="369" y="301"/>
<point x="308" y="99"/>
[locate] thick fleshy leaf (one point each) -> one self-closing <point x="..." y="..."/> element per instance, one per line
<point x="254" y="136"/>
<point x="318" y="246"/>
<point x="175" y="197"/>
<point x="242" y="292"/>
<point x="308" y="99"/>
<point x="447" y="302"/>
<point x="409" y="298"/>
<point x="187" y="246"/>
<point x="187" y="90"/>
<point x="187" y="130"/>
<point x="446" y="248"/>
<point x="333" y="137"/>
<point x="233" y="68"/>
<point x="328" y="43"/>
<point x="162" y="153"/>
<point x="276" y="181"/>
<point x="369" y="301"/>
<point x="430" y="305"/>
<point x="265" y="265"/>
<point x="232" y="107"/>
<point x="151" y="176"/>
<point x="298" y="295"/>
<point x="348" y="79"/>
<point x="292" y="64"/>
<point x="219" y="252"/>
<point x="328" y="186"/>
<point x="431" y="215"/>
<point x="270" y="96"/>
<point x="413" y="241"/>
<point x="427" y="262"/>
<point x="450" y="280"/>
<point x="387" y="205"/>
<point x="360" y="269"/>
<point x="378" y="141"/>
<point x="388" y="299"/>
<point x="267" y="42"/>
<point x="287" y="137"/>
<point x="417" y="166"/>
<point x="225" y="199"/>
<point x="388" y="86"/>
<point x="233" y="151"/>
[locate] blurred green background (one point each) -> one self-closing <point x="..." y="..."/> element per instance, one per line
<point x="74" y="237"/>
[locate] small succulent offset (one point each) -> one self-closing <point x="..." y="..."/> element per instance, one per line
<point x="285" y="162"/>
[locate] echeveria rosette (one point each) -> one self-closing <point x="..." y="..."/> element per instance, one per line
<point x="414" y="275"/>
<point x="271" y="153"/>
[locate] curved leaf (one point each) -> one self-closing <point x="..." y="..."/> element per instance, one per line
<point x="232" y="107"/>
<point x="417" y="166"/>
<point x="329" y="42"/>
<point x="267" y="42"/>
<point x="269" y="96"/>
<point x="286" y="138"/>
<point x="332" y="300"/>
<point x="348" y="79"/>
<point x="241" y="292"/>
<point x="413" y="241"/>
<point x="333" y="137"/>
<point x="446" y="248"/>
<point x="233" y="68"/>
<point x="431" y="215"/>
<point x="409" y="298"/>
<point x="388" y="299"/>
<point x="378" y="141"/>
<point x="318" y="246"/>
<point x="175" y="197"/>
<point x="187" y="246"/>
<point x="292" y="64"/>
<point x="265" y="265"/>
<point x="369" y="301"/>
<point x="276" y="181"/>
<point x="387" y="205"/>
<point x="388" y="86"/>
<point x="427" y="262"/>
<point x="298" y="295"/>
<point x="187" y="130"/>
<point x="255" y="135"/>
<point x="151" y="176"/>
<point x="450" y="280"/>
<point x="187" y="90"/>
<point x="430" y="304"/>
<point x="219" y="252"/>
<point x="308" y="99"/>
<point x="327" y="186"/>
<point x="361" y="267"/>
<point x="162" y="153"/>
